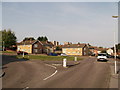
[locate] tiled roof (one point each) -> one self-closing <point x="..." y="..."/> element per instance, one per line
<point x="74" y="46"/>
<point x="46" y="43"/>
<point x="26" y="42"/>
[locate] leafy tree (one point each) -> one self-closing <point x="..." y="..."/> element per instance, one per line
<point x="28" y="38"/>
<point x="58" y="48"/>
<point x="45" y="38"/>
<point x="118" y="47"/>
<point x="8" y="38"/>
<point x="104" y="51"/>
<point x="42" y="38"/>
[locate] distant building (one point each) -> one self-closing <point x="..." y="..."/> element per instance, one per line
<point x="35" y="46"/>
<point x="95" y="50"/>
<point x="67" y="43"/>
<point x="55" y="43"/>
<point x="76" y="49"/>
<point x="109" y="51"/>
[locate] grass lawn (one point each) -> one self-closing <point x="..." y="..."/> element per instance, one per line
<point x="53" y="58"/>
<point x="8" y="52"/>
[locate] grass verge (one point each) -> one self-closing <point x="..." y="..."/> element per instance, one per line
<point x="8" y="52"/>
<point x="52" y="58"/>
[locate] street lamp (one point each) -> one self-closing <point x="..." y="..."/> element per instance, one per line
<point x="3" y="45"/>
<point x="115" y="48"/>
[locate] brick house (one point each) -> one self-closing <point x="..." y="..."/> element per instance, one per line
<point x="76" y="49"/>
<point x="35" y="47"/>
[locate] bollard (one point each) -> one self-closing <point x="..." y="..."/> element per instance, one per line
<point x="75" y="58"/>
<point x="64" y="62"/>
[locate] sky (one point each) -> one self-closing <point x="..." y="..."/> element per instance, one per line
<point x="84" y="22"/>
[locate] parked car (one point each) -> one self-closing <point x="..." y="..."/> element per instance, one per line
<point x="102" y="57"/>
<point x="53" y="54"/>
<point x="109" y="56"/>
<point x="21" y="53"/>
<point x="63" y="54"/>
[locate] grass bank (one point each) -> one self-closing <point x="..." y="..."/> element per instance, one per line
<point x="52" y="58"/>
<point x="8" y="52"/>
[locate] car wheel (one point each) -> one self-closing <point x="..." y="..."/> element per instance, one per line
<point x="98" y="60"/>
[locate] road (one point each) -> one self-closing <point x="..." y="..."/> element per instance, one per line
<point x="37" y="74"/>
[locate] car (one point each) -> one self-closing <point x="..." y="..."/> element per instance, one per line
<point x="102" y="57"/>
<point x="117" y="56"/>
<point x="63" y="54"/>
<point x="53" y="54"/>
<point x="21" y="53"/>
<point x="109" y="56"/>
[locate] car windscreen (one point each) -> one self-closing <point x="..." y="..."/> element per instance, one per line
<point x="101" y="54"/>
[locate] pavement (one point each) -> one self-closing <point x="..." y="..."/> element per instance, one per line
<point x="114" y="80"/>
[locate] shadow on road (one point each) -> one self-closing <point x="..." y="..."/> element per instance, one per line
<point x="8" y="59"/>
<point x="71" y="65"/>
<point x="102" y="60"/>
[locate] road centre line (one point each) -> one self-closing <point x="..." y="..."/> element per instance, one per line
<point x="51" y="74"/>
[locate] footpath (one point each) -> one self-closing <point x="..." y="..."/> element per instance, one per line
<point x="115" y="78"/>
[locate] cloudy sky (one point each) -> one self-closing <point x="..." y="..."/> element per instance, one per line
<point x="84" y="22"/>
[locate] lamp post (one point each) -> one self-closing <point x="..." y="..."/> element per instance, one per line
<point x="115" y="48"/>
<point x="3" y="45"/>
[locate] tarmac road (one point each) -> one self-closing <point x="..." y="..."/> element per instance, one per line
<point x="31" y="74"/>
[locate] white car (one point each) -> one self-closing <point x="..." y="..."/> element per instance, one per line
<point x="63" y="54"/>
<point x="102" y="57"/>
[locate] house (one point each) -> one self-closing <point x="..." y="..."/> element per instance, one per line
<point x="35" y="46"/>
<point x="76" y="49"/>
<point x="48" y="47"/>
<point x="95" y="50"/>
<point x="55" y="43"/>
<point x="109" y="51"/>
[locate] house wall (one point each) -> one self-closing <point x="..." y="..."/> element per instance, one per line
<point x="110" y="51"/>
<point x="72" y="51"/>
<point x="26" y="48"/>
<point x="37" y="48"/>
<point x="86" y="51"/>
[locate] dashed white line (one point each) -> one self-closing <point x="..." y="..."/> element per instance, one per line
<point x="51" y="74"/>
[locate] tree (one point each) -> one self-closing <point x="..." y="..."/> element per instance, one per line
<point x="8" y="38"/>
<point x="103" y="51"/>
<point x="118" y="47"/>
<point x="58" y="48"/>
<point x="45" y="38"/>
<point x="28" y="38"/>
<point x="42" y="38"/>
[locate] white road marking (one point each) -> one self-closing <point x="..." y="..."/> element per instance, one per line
<point x="50" y="66"/>
<point x="51" y="74"/>
<point x="25" y="88"/>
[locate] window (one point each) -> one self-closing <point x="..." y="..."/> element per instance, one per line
<point x="35" y="50"/>
<point x="84" y="49"/>
<point x="35" y="45"/>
